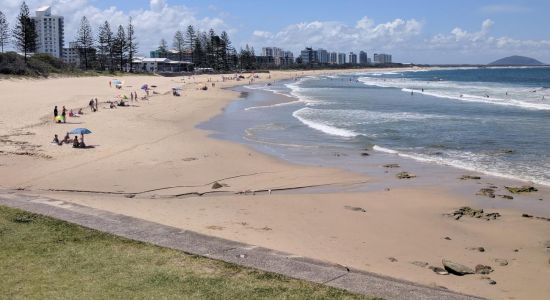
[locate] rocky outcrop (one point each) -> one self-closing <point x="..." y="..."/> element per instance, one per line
<point x="521" y="189"/>
<point x="456" y="268"/>
<point x="474" y="213"/>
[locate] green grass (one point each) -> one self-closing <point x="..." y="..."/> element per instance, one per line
<point x="44" y="258"/>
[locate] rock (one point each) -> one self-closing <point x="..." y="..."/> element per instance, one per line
<point x="507" y="197"/>
<point x="359" y="209"/>
<point x="492" y="282"/>
<point x="216" y="186"/>
<point x="365" y="154"/>
<point x="527" y="216"/>
<point x="522" y="189"/>
<point x="488" y="192"/>
<point x="456" y="268"/>
<point x="130" y="196"/>
<point x="392" y="166"/>
<point x="501" y="262"/>
<point x="470" y="177"/>
<point x="516" y="250"/>
<point x="480" y="249"/>
<point x="421" y="264"/>
<point x="405" y="175"/>
<point x="439" y="270"/>
<point x="448" y="238"/>
<point x="474" y="213"/>
<point x="392" y="259"/>
<point x="481" y="269"/>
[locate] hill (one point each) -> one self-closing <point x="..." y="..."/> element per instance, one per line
<point x="516" y="60"/>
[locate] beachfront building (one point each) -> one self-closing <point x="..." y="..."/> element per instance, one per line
<point x="161" y="65"/>
<point x="172" y="54"/>
<point x="363" y="58"/>
<point x="288" y="58"/>
<point x="341" y="58"/>
<point x="333" y="58"/>
<point x="50" y="32"/>
<point x="309" y="56"/>
<point x="71" y="55"/>
<point x="381" y="58"/>
<point x="279" y="55"/>
<point x="322" y="56"/>
<point x="352" y="58"/>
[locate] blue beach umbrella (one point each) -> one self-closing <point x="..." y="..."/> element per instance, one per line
<point x="80" y="131"/>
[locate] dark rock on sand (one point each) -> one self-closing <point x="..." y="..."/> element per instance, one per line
<point x="456" y="268"/>
<point x="421" y="264"/>
<point x="391" y="166"/>
<point x="527" y="216"/>
<point x="501" y="262"/>
<point x="216" y="186"/>
<point x="474" y="213"/>
<point x="507" y="197"/>
<point x="470" y="177"/>
<point x="392" y="259"/>
<point x="480" y="249"/>
<point x="481" y="269"/>
<point x="365" y="154"/>
<point x="439" y="270"/>
<point x="522" y="189"/>
<point x="447" y="238"/>
<point x="359" y="209"/>
<point x="488" y="192"/>
<point x="405" y="175"/>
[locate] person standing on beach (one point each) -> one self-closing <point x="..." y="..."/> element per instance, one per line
<point x="64" y="114"/>
<point x="110" y="84"/>
<point x="132" y="97"/>
<point x="55" y="112"/>
<point x="96" y="105"/>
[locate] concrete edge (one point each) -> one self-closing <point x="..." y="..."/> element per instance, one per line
<point x="264" y="259"/>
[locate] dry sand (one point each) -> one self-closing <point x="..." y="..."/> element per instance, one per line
<point x="153" y="151"/>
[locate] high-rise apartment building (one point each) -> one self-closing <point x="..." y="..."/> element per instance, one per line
<point x="50" y="31"/>
<point x="380" y="58"/>
<point x="352" y="58"/>
<point x="342" y="58"/>
<point x="363" y="58"/>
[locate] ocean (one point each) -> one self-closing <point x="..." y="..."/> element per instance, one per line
<point x="494" y="121"/>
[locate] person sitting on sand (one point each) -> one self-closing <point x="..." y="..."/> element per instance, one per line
<point x="75" y="142"/>
<point x="56" y="140"/>
<point x="81" y="144"/>
<point x="67" y="139"/>
<point x="80" y="112"/>
<point x="71" y="114"/>
<point x="111" y="105"/>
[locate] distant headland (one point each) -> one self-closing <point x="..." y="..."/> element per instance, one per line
<point x="516" y="60"/>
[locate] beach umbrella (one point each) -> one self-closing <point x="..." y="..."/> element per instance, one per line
<point x="80" y="131"/>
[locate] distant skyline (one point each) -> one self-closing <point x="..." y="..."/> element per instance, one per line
<point x="412" y="31"/>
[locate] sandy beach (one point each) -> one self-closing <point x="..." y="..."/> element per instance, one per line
<point x="150" y="161"/>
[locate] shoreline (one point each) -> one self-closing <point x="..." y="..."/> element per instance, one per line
<point x="174" y="187"/>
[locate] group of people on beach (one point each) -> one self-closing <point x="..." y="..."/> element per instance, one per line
<point x="67" y="140"/>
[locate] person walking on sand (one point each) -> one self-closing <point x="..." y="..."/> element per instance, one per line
<point x="110" y="84"/>
<point x="96" y="105"/>
<point x="55" y="112"/>
<point x="131" y="96"/>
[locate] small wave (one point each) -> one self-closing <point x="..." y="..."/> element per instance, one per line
<point x="469" y="165"/>
<point x="324" y="127"/>
<point x="297" y="101"/>
<point x="470" y="92"/>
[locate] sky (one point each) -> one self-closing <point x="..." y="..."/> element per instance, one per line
<point x="420" y="31"/>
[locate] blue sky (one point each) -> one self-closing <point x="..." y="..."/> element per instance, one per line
<point x="413" y="31"/>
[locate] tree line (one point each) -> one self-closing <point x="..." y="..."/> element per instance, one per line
<point x="115" y="48"/>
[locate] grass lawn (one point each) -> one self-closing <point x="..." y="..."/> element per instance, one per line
<point x="44" y="258"/>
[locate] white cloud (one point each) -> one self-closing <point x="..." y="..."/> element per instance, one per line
<point x="366" y="34"/>
<point x="159" y="20"/>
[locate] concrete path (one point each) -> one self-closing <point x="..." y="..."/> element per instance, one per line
<point x="234" y="252"/>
